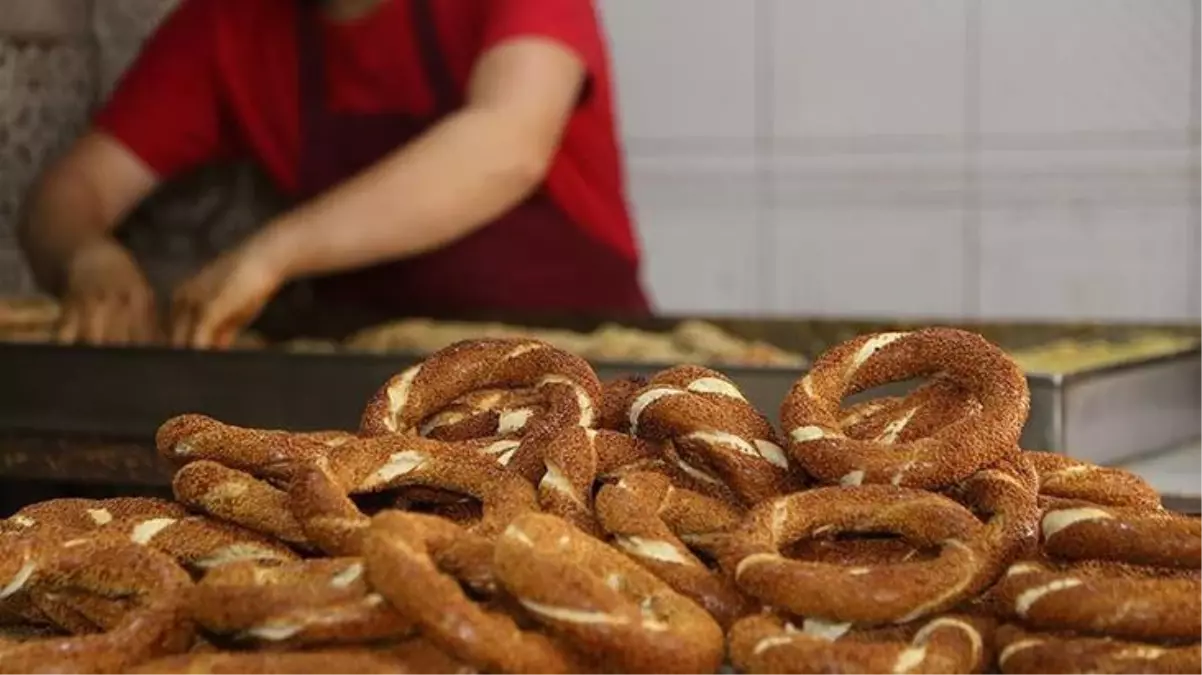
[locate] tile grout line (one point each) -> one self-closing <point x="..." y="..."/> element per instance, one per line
<point x="764" y="62"/>
<point x="1196" y="180"/>
<point x="971" y="217"/>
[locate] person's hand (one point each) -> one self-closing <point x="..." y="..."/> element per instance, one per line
<point x="211" y="308"/>
<point x="106" y="298"/>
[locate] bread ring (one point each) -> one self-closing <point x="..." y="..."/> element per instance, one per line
<point x="948" y="644"/>
<point x="717" y="435"/>
<point x="461" y="509"/>
<point x="78" y="612"/>
<point x="901" y="419"/>
<point x="327" y="514"/>
<point x="870" y="595"/>
<point x="565" y="382"/>
<point x="812" y="416"/>
<point x="317" y="662"/>
<point x="196" y="542"/>
<point x="639" y="512"/>
<point x="1085" y="531"/>
<point x="1005" y="495"/>
<point x="485" y="412"/>
<point x="574" y="460"/>
<point x="305" y="603"/>
<point x="72" y="515"/>
<point x="616" y="397"/>
<point x="399" y="553"/>
<point x="1024" y="652"/>
<point x="608" y="606"/>
<point x="189" y="438"/>
<point x="1104" y="598"/>
<point x="155" y="628"/>
<point x="237" y="497"/>
<point x="855" y="552"/>
<point x="1068" y="478"/>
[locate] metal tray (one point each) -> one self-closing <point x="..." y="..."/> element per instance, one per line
<point x="1104" y="415"/>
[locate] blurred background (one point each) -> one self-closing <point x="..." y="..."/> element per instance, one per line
<point x="907" y="158"/>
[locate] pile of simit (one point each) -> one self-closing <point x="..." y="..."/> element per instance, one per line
<point x="502" y="510"/>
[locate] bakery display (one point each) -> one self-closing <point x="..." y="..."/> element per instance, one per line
<point x="28" y="318"/>
<point x="691" y="341"/>
<point x="500" y="509"/>
<point x="32" y="319"/>
<point x="1070" y="356"/>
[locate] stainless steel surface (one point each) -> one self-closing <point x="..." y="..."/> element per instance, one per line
<point x="1103" y="416"/>
<point x="1119" y="413"/>
<point x="1181" y="504"/>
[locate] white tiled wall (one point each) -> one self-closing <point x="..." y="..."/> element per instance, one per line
<point x="992" y="158"/>
<point x="941" y="158"/>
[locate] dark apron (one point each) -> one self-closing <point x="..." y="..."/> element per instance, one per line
<point x="531" y="260"/>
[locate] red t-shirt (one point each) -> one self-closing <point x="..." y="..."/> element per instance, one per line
<point x="219" y="79"/>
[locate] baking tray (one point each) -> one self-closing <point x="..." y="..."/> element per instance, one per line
<point x="1103" y="415"/>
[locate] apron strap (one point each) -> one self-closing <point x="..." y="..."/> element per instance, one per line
<point x="438" y="72"/>
<point x="310" y="69"/>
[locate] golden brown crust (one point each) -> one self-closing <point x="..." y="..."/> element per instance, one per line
<point x="870" y="595"/>
<point x="317" y="662"/>
<point x="300" y="604"/>
<point x="1067" y="478"/>
<point x="812" y="417"/>
<point x="609" y="607"/>
<point x="1103" y="599"/>
<point x="155" y="627"/>
<point x="651" y="521"/>
<point x="1021" y="651"/>
<point x="766" y="643"/>
<point x="400" y="552"/>
<point x="618" y="573"/>
<point x="715" y="434"/>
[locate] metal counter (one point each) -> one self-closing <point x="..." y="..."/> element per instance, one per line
<point x="1103" y="415"/>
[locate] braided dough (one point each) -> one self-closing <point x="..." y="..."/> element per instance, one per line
<point x="400" y="550"/>
<point x="872" y="595"/>
<point x="153" y="628"/>
<point x="608" y="606"/>
<point x="651" y="521"/>
<point x="300" y="604"/>
<point x="1068" y="478"/>
<point x="947" y="644"/>
<point x="1021" y="651"/>
<point x="718" y="438"/>
<point x="812" y="416"/>
<point x="576" y="527"/>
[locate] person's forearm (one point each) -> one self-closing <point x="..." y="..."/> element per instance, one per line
<point x="462" y="174"/>
<point x="60" y="216"/>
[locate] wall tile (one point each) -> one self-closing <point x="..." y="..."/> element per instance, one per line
<point x="698" y="221"/>
<point x="863" y="67"/>
<point x="1064" y="66"/>
<point x="685" y="68"/>
<point x="1088" y="233"/>
<point x="44" y="18"/>
<point x="861" y="235"/>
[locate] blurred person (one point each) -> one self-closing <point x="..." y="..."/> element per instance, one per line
<point x="446" y="156"/>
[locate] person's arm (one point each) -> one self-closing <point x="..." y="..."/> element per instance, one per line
<point x="163" y="117"/>
<point x="78" y="203"/>
<point x="463" y="173"/>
